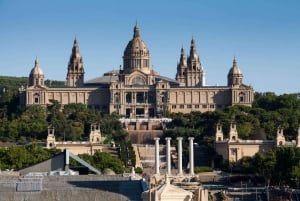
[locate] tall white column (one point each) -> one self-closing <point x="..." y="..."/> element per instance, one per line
<point x="168" y="155"/>
<point x="191" y="143"/>
<point x="179" y="155"/>
<point x="156" y="155"/>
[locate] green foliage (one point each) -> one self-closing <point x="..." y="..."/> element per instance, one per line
<point x="279" y="166"/>
<point x="138" y="170"/>
<point x="199" y="169"/>
<point x="16" y="157"/>
<point x="103" y="160"/>
<point x="245" y="165"/>
<point x="127" y="154"/>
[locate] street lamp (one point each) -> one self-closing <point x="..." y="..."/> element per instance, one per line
<point x="243" y="190"/>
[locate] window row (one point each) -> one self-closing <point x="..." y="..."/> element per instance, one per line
<point x="189" y="106"/>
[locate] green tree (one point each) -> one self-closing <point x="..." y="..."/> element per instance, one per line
<point x="103" y="160"/>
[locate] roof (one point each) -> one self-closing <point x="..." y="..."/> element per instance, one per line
<point x="36" y="70"/>
<point x="108" y="77"/>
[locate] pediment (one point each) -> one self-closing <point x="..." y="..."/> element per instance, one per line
<point x="137" y="78"/>
<point x="137" y="72"/>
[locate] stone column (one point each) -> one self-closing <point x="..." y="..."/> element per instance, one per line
<point x="67" y="159"/>
<point x="156" y="155"/>
<point x="168" y="155"/>
<point x="179" y="155"/>
<point x="191" y="144"/>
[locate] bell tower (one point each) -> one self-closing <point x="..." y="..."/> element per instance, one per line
<point x="95" y="134"/>
<point x="280" y="139"/>
<point x="181" y="68"/>
<point x="189" y="70"/>
<point x="75" y="75"/>
<point x="233" y="134"/>
<point x="219" y="133"/>
<point x="50" y="137"/>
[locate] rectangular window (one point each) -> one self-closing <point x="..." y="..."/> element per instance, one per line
<point x="204" y="106"/>
<point x="197" y="106"/>
<point x="189" y="106"/>
<point x="173" y="106"/>
<point x="181" y="106"/>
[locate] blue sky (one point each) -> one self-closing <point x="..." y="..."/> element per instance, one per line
<point x="264" y="36"/>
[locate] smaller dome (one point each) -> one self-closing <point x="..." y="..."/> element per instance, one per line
<point x="235" y="70"/>
<point x="36" y="70"/>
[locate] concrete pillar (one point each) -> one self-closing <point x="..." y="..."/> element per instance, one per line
<point x="179" y="155"/>
<point x="168" y="155"/>
<point x="191" y="145"/>
<point x="156" y="155"/>
<point x="67" y="159"/>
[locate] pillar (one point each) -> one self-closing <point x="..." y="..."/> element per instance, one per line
<point x="179" y="139"/>
<point x="67" y="159"/>
<point x="156" y="155"/>
<point x="168" y="155"/>
<point x="191" y="145"/>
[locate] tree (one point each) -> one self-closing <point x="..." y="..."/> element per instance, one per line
<point x="103" y="160"/>
<point x="264" y="164"/>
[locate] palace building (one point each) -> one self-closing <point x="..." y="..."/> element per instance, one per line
<point x="233" y="148"/>
<point x="136" y="90"/>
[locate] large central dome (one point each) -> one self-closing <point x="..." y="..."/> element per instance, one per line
<point x="136" y="54"/>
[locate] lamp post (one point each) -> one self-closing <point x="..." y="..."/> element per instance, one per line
<point x="243" y="191"/>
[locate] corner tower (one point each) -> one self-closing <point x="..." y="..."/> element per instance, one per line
<point x="75" y="75"/>
<point x="36" y="76"/>
<point x="136" y="54"/>
<point x="235" y="76"/>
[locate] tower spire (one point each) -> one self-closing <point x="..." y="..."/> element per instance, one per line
<point x="36" y="61"/>
<point x="136" y="31"/>
<point x="75" y="75"/>
<point x="234" y="61"/>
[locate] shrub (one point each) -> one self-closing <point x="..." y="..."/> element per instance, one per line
<point x="138" y="170"/>
<point x="200" y="169"/>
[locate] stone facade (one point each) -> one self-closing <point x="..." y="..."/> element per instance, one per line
<point x="233" y="149"/>
<point x="90" y="147"/>
<point x="136" y="90"/>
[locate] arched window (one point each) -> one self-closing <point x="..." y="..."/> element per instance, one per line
<point x="138" y="81"/>
<point x="241" y="97"/>
<point x="36" y="98"/>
